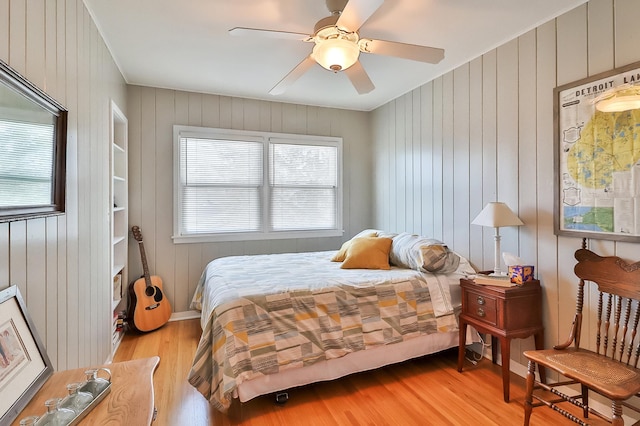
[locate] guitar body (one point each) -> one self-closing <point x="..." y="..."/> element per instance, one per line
<point x="149" y="307"/>
<point x="148" y="314"/>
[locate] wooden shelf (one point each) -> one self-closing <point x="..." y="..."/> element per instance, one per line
<point x="116" y="269"/>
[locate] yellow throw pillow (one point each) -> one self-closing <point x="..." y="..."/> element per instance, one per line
<point x="368" y="253"/>
<point x="341" y="254"/>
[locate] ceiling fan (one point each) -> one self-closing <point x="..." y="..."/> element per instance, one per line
<point x="338" y="44"/>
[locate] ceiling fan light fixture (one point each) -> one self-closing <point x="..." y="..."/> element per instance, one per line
<point x="621" y="98"/>
<point x="336" y="54"/>
<point x="619" y="103"/>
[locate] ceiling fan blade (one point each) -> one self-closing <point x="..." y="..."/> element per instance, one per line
<point x="293" y="75"/>
<point x="431" y="55"/>
<point x="356" y="13"/>
<point x="359" y="78"/>
<point x="255" y="32"/>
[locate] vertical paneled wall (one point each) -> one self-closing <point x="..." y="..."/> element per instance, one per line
<point x="484" y="132"/>
<point x="152" y="114"/>
<point x="60" y="263"/>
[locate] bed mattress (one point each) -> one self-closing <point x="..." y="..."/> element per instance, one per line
<point x="266" y="315"/>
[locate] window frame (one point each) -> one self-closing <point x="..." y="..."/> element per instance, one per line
<point x="181" y="131"/>
<point x="26" y="91"/>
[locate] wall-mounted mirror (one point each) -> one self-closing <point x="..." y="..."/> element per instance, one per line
<point x="33" y="137"/>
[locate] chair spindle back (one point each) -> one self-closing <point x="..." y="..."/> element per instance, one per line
<point x="618" y="312"/>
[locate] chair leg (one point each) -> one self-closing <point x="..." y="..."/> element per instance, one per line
<point x="528" y="399"/>
<point x="616" y="409"/>
<point x="585" y="401"/>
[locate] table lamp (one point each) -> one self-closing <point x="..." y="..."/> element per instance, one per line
<point x="497" y="215"/>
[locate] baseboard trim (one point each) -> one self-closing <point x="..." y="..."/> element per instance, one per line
<point x="184" y="315"/>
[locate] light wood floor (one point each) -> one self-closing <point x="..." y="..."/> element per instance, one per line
<point x="425" y="391"/>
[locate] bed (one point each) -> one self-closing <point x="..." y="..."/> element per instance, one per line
<point x="274" y="322"/>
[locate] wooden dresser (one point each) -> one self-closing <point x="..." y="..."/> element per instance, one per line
<point x="130" y="401"/>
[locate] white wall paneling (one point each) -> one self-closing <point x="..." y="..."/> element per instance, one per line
<point x="60" y="262"/>
<point x="437" y="160"/>
<point x="426" y="161"/>
<point x="488" y="128"/>
<point x="489" y="188"/>
<point x="476" y="147"/>
<point x="461" y="167"/>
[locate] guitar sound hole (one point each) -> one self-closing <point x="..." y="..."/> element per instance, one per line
<point x="150" y="291"/>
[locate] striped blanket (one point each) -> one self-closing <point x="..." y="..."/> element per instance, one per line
<point x="301" y="308"/>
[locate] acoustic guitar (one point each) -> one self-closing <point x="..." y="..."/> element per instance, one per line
<point x="149" y="309"/>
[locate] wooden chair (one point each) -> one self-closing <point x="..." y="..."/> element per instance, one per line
<point x="611" y="370"/>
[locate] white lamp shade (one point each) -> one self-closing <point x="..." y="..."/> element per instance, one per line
<point x="336" y="54"/>
<point x="497" y="215"/>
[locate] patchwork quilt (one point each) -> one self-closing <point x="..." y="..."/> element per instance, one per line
<point x="267" y="313"/>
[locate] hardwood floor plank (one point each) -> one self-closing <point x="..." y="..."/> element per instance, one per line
<point x="423" y="391"/>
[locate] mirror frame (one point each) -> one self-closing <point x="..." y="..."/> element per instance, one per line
<point x="13" y="80"/>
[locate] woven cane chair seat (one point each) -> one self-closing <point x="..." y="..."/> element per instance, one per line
<point x="597" y="368"/>
<point x="609" y="377"/>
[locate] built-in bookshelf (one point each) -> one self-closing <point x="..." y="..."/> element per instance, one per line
<point x="119" y="199"/>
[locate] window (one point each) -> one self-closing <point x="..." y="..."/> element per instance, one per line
<point x="27" y="167"/>
<point x="241" y="185"/>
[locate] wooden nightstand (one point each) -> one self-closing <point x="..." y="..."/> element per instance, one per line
<point x="504" y="313"/>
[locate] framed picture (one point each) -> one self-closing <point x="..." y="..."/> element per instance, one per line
<point x="597" y="159"/>
<point x="24" y="364"/>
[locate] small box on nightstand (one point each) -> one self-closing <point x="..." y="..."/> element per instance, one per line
<point x="520" y="274"/>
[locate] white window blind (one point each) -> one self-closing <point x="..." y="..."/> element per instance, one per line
<point x="221" y="186"/>
<point x="26" y="166"/>
<point x="234" y="185"/>
<point x="304" y="183"/>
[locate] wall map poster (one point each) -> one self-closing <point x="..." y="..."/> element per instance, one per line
<point x="597" y="159"/>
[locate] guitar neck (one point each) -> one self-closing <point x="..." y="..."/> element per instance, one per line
<point x="145" y="265"/>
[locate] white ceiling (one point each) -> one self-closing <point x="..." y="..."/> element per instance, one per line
<point x="185" y="45"/>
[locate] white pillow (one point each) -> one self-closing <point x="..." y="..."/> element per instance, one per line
<point x="422" y="254"/>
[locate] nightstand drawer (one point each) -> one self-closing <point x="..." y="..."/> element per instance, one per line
<point x="481" y="307"/>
